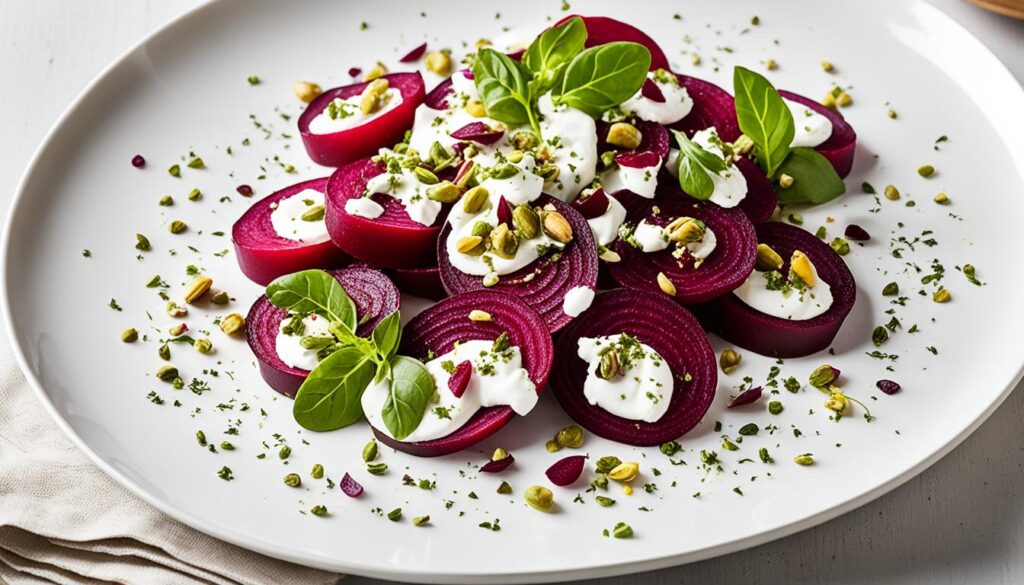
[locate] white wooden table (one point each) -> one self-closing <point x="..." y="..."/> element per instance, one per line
<point x="962" y="521"/>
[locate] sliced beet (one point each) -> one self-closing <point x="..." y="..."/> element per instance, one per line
<point x="712" y="106"/>
<point x="840" y="147"/>
<point x="602" y="30"/>
<point x="339" y="148"/>
<point x="415" y="54"/>
<point x="592" y="205"/>
<point x="478" y="132"/>
<point x="722" y="271"/>
<point x="497" y="466"/>
<point x="459" y="380"/>
<point x="424" y="283"/>
<point x="761" y="199"/>
<point x="438" y="328"/>
<point x="263" y="255"/>
<point x="747" y="396"/>
<point x="746" y="327"/>
<point x="544" y="283"/>
<point x="392" y="240"/>
<point x="438" y="97"/>
<point x="374" y="295"/>
<point x="667" y="328"/>
<point x="567" y="470"/>
<point x="653" y="146"/>
<point x="350" y="487"/>
<point x="651" y="91"/>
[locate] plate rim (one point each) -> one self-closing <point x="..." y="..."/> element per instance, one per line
<point x="352" y="566"/>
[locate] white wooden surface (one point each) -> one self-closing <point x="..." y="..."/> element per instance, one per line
<point x="962" y="521"/>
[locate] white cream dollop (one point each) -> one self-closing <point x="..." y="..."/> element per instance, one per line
<point x="498" y="379"/>
<point x="606" y="226"/>
<point x="649" y="237"/>
<point x="730" y="186"/>
<point x="348" y="114"/>
<point x="364" y="207"/>
<point x="571" y="137"/>
<point x="642" y="391"/>
<point x="577" y="300"/>
<point x="812" y="129"/>
<point x="291" y="351"/>
<point x="640" y="180"/>
<point x="676" y="106"/>
<point x="286" y="218"/>
<point x="409" y="191"/>
<point x="790" y="302"/>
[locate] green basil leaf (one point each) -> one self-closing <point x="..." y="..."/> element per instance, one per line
<point x="763" y="117"/>
<point x="814" y="179"/>
<point x="387" y="334"/>
<point x="330" y="397"/>
<point x="695" y="167"/>
<point x="549" y="54"/>
<point x="412" y="387"/>
<point x="604" y="76"/>
<point x="502" y="85"/>
<point x="313" y="291"/>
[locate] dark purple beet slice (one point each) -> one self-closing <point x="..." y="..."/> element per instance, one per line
<point x="602" y="30"/>
<point x="438" y="328"/>
<point x="840" y="148"/>
<point x="415" y="54"/>
<point x="374" y="295"/>
<point x="478" y="132"/>
<point x="856" y="233"/>
<point x="667" y="328"/>
<point x="761" y="199"/>
<point x="567" y="470"/>
<point x="746" y="397"/>
<point x="712" y="106"/>
<point x="392" y="240"/>
<point x="550" y="280"/>
<point x="653" y="146"/>
<point x="504" y="211"/>
<point x="438" y="97"/>
<point x="772" y="336"/>
<point x="725" y="269"/>
<point x="138" y="161"/>
<point x="499" y="465"/>
<point x="651" y="91"/>
<point x="460" y="378"/>
<point x="350" y="487"/>
<point x="343" y="147"/>
<point x="263" y="255"/>
<point x="888" y="386"/>
<point x="592" y="205"/>
<point x="419" y="282"/>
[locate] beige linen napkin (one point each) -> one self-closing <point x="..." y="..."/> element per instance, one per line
<point x="62" y="520"/>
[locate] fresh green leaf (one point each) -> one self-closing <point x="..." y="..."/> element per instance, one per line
<point x="313" y="291"/>
<point x="330" y="397"/>
<point x="502" y="85"/>
<point x="696" y="166"/>
<point x="412" y="387"/>
<point x="387" y="334"/>
<point x="763" y="117"/>
<point x="814" y="179"/>
<point x="604" y="76"/>
<point x="549" y="54"/>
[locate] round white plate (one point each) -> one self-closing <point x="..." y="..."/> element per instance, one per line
<point x="185" y="89"/>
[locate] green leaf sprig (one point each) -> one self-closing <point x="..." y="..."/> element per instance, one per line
<point x="331" y="396"/>
<point x="764" y="118"/>
<point x="592" y="80"/>
<point x="696" y="165"/>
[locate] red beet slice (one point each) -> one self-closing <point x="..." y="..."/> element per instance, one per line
<point x="350" y="487"/>
<point x="374" y="295"/>
<point x="459" y="380"/>
<point x="664" y="326"/>
<point x="653" y="146"/>
<point x="746" y="397"/>
<point x="550" y="280"/>
<point x="856" y="233"/>
<point x="504" y="211"/>
<point x="651" y="91"/>
<point x="419" y="282"/>
<point x="567" y="470"/>
<point x="712" y="106"/>
<point x="438" y="97"/>
<point x="263" y="255"/>
<point x="438" y="328"/>
<point x="746" y="327"/>
<point x="840" y="148"/>
<point x="339" y="148"/>
<point x="392" y="240"/>
<point x="888" y="386"/>
<point x="499" y="465"/>
<point x="602" y="30"/>
<point x="725" y="269"/>
<point x="478" y="132"/>
<point x="592" y="205"/>
<point x="761" y="199"/>
<point x="138" y="161"/>
<point x="415" y="54"/>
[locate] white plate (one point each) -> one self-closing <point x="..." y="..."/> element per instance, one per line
<point x="185" y="88"/>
